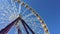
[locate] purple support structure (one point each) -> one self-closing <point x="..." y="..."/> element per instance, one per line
<point x="19" y="31"/>
<point x="25" y="25"/>
<point x="8" y="27"/>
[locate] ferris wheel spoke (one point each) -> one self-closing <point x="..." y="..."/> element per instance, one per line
<point x="31" y="22"/>
<point x="24" y="11"/>
<point x="5" y="12"/>
<point x="19" y="10"/>
<point x="3" y="23"/>
<point x="16" y="31"/>
<point x="8" y="10"/>
<point x="34" y="19"/>
<point x="12" y="1"/>
<point x="28" y="15"/>
<point x="14" y="9"/>
<point x="4" y="19"/>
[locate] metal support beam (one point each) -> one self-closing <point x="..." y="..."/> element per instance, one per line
<point x="25" y="25"/>
<point x="8" y="27"/>
<point x="25" y="28"/>
<point x="19" y="31"/>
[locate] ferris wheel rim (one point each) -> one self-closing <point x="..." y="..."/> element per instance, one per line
<point x="43" y="24"/>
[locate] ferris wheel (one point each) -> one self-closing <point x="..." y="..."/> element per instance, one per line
<point x="17" y="17"/>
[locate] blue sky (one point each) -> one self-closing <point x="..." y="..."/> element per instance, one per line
<point x="49" y="11"/>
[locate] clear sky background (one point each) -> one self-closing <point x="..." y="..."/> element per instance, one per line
<point x="49" y="11"/>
